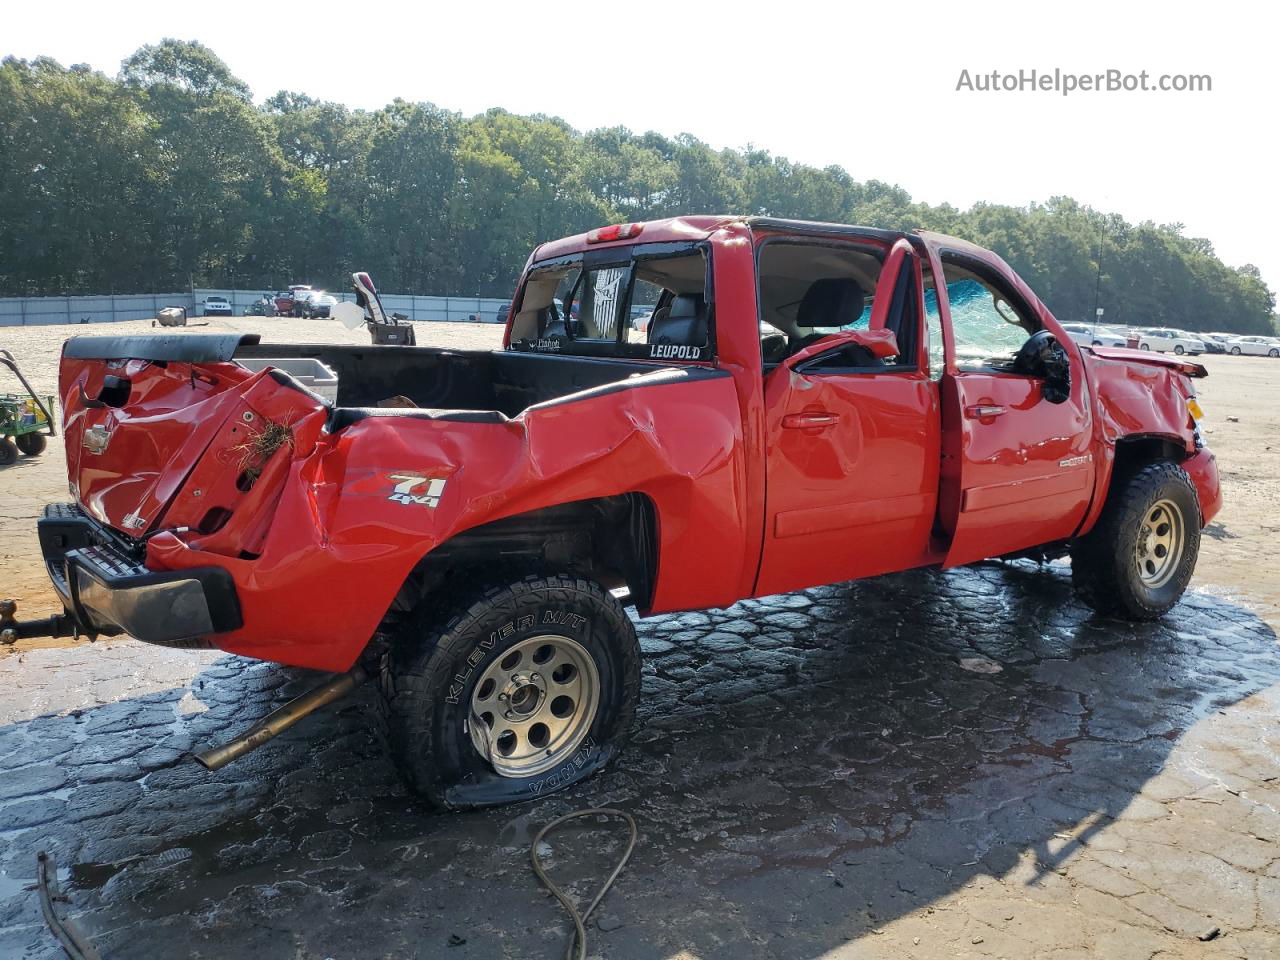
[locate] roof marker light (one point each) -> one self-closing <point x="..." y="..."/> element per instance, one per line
<point x="619" y="231"/>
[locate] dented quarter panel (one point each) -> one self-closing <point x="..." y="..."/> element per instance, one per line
<point x="339" y="539"/>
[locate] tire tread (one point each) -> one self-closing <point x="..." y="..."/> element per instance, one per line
<point x="1097" y="567"/>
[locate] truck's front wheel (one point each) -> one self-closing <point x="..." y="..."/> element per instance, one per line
<point x="1137" y="560"/>
<point x="527" y="689"/>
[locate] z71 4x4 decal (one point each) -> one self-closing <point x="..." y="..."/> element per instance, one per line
<point x="409" y="490"/>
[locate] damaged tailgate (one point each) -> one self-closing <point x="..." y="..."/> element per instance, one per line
<point x="166" y="431"/>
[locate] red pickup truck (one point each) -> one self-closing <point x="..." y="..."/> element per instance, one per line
<point x="810" y="403"/>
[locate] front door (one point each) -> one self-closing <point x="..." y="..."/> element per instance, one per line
<point x="853" y="443"/>
<point x="1017" y="469"/>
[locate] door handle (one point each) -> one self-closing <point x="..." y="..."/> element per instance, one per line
<point x="807" y="421"/>
<point x="980" y="411"/>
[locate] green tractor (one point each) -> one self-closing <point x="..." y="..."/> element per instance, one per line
<point x="25" y="421"/>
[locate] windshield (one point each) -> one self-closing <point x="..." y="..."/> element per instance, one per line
<point x="592" y="304"/>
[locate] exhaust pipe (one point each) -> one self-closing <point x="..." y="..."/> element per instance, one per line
<point x="280" y="720"/>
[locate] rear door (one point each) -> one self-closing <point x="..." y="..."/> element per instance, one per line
<point x="852" y="461"/>
<point x="1017" y="467"/>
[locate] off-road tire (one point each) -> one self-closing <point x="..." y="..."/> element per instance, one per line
<point x="31" y="444"/>
<point x="432" y="670"/>
<point x="1103" y="566"/>
<point x="8" y="452"/>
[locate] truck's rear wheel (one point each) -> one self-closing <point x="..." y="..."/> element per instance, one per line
<point x="529" y="688"/>
<point x="1138" y="559"/>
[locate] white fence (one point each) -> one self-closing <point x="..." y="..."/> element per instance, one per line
<point x="30" y="311"/>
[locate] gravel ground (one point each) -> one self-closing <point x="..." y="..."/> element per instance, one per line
<point x="926" y="765"/>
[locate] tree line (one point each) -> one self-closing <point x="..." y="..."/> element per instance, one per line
<point x="169" y="175"/>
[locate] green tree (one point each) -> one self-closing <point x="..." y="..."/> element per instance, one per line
<point x="170" y="174"/>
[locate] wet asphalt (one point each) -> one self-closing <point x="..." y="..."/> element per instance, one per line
<point x="929" y="764"/>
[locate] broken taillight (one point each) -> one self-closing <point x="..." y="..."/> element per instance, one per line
<point x="619" y="231"/>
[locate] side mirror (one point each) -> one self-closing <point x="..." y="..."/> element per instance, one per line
<point x="1044" y="357"/>
<point x="882" y="344"/>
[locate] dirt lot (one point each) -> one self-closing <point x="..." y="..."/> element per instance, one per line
<point x="814" y="774"/>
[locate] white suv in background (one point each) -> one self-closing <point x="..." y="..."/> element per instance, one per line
<point x="216" y="307"/>
<point x="1088" y="335"/>
<point x="1164" y="340"/>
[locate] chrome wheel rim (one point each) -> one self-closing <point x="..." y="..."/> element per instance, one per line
<point x="533" y="706"/>
<point x="1161" y="540"/>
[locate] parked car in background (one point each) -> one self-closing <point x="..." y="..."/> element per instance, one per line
<point x="503" y="310"/>
<point x="1253" y="347"/>
<point x="215" y="307"/>
<point x="1166" y="340"/>
<point x="1215" y="342"/>
<point x="317" y="304"/>
<point x="1089" y="335"/>
<point x="284" y="303"/>
<point x="287" y="301"/>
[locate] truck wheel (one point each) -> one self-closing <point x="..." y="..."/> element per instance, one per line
<point x="1137" y="560"/>
<point x="523" y="692"/>
<point x="8" y="452"/>
<point x="32" y="444"/>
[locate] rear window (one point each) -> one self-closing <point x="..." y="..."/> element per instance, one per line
<point x="650" y="301"/>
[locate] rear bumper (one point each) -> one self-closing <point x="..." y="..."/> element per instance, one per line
<point x="107" y="591"/>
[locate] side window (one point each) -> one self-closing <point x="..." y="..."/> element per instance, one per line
<point x="645" y="298"/>
<point x="987" y="328"/>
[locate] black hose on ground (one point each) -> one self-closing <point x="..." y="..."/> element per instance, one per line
<point x="579" y="940"/>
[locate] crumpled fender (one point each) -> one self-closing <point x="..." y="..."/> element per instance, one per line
<point x="360" y="510"/>
<point x="1137" y="397"/>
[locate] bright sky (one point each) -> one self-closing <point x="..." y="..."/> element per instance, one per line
<point x="871" y="87"/>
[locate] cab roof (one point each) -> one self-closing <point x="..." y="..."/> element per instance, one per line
<point x="695" y="228"/>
